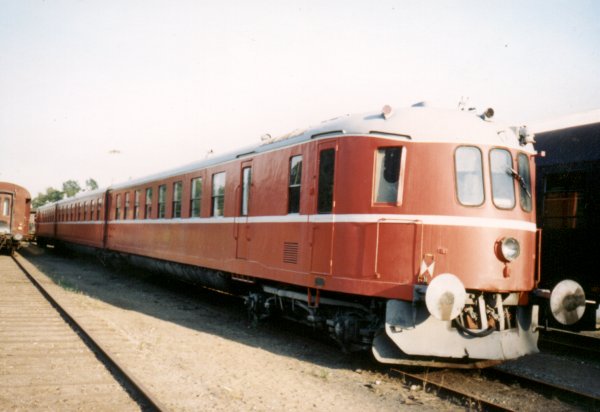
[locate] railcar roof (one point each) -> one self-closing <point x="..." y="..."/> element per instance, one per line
<point x="569" y="145"/>
<point x="416" y="124"/>
<point x="14" y="188"/>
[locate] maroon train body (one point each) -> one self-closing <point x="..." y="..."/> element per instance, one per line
<point x="15" y="206"/>
<point x="410" y="232"/>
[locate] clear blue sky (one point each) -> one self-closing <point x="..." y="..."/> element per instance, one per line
<point x="163" y="82"/>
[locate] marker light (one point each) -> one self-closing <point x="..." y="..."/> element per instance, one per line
<point x="18" y="237"/>
<point x="509" y="248"/>
<point x="445" y="297"/>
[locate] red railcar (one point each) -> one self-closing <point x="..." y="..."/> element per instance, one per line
<point x="15" y="206"/>
<point x="412" y="232"/>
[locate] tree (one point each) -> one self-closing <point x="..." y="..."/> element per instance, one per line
<point x="91" y="184"/>
<point x="71" y="188"/>
<point x="51" y="195"/>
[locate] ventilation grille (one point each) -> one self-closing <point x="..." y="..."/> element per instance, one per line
<point x="290" y="252"/>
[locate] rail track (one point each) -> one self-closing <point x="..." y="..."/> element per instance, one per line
<point x="49" y="332"/>
<point x="556" y="340"/>
<point x="476" y="391"/>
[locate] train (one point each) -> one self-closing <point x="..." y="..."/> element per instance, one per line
<point x="569" y="206"/>
<point x="408" y="232"/>
<point x="15" y="207"/>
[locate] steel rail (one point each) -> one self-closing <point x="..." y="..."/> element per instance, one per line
<point x="562" y="392"/>
<point x="473" y="400"/>
<point x="558" y="340"/>
<point x="141" y="393"/>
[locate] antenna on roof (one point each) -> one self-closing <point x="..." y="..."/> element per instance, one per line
<point x="209" y="152"/>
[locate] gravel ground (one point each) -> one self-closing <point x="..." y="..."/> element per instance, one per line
<point x="195" y="350"/>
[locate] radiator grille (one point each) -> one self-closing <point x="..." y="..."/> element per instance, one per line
<point x="290" y="252"/>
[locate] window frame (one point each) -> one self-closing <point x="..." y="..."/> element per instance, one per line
<point x="177" y="198"/>
<point x="457" y="191"/>
<point x="492" y="179"/>
<point x="218" y="199"/>
<point x="295" y="186"/>
<point x="162" y="201"/>
<point x="378" y="173"/>
<point x="148" y="194"/>
<point x="195" y="199"/>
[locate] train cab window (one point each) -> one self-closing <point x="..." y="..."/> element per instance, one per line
<point x="127" y="207"/>
<point x="387" y="174"/>
<point x="136" y="204"/>
<point x="246" y="183"/>
<point x="177" y="192"/>
<point x="218" y="194"/>
<point x="503" y="187"/>
<point x="469" y="175"/>
<point x="148" y="209"/>
<point x="524" y="180"/>
<point x="196" y="198"/>
<point x="162" y="201"/>
<point x="295" y="184"/>
<point x="118" y="207"/>
<point x="326" y="175"/>
<point x="6" y="206"/>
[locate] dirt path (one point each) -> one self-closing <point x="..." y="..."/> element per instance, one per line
<point x="195" y="351"/>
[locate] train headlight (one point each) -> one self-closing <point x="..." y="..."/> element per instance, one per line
<point x="567" y="302"/>
<point x="509" y="248"/>
<point x="445" y="297"/>
<point x="18" y="237"/>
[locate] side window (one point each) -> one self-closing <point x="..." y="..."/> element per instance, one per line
<point x="148" y="211"/>
<point x="162" y="199"/>
<point x="524" y="182"/>
<point x="387" y="174"/>
<point x="136" y="204"/>
<point x="295" y="184"/>
<point x="118" y="207"/>
<point x="503" y="188"/>
<point x="99" y="203"/>
<point x="246" y="182"/>
<point x="127" y="206"/>
<point x="469" y="175"/>
<point x="177" y="191"/>
<point x="218" y="194"/>
<point x="196" y="197"/>
<point x="564" y="200"/>
<point x="326" y="174"/>
<point x="84" y="211"/>
<point x="92" y="209"/>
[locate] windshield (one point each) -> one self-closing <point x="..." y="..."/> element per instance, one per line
<point x="524" y="179"/>
<point x="503" y="189"/>
<point x="469" y="175"/>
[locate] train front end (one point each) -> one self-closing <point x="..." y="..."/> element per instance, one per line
<point x="472" y="299"/>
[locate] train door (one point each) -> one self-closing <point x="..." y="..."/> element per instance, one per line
<point x="242" y="227"/>
<point x="322" y="222"/>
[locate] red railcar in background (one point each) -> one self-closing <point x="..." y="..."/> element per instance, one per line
<point x="410" y="232"/>
<point x="15" y="206"/>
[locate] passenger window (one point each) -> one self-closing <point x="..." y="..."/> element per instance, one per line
<point x="524" y="182"/>
<point x="92" y="209"/>
<point x="148" y="212"/>
<point x="196" y="199"/>
<point x="84" y="211"/>
<point x="99" y="203"/>
<point x="118" y="208"/>
<point x="295" y="184"/>
<point x="246" y="182"/>
<point x="326" y="175"/>
<point x="127" y="206"/>
<point x="387" y="174"/>
<point x="503" y="188"/>
<point x="177" y="191"/>
<point x="162" y="199"/>
<point x="218" y="194"/>
<point x="136" y="204"/>
<point x="469" y="175"/>
<point x="6" y="207"/>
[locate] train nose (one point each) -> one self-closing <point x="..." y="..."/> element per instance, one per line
<point x="567" y="302"/>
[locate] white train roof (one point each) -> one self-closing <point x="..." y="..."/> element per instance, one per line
<point x="565" y="122"/>
<point x="416" y="124"/>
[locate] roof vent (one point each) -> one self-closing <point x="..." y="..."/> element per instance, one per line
<point x="488" y="114"/>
